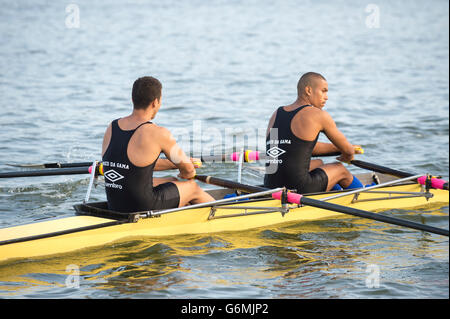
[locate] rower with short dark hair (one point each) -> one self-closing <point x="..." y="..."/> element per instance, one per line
<point x="145" y="90"/>
<point x="292" y="139"/>
<point x="131" y="149"/>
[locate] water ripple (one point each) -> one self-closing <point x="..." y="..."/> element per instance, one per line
<point x="228" y="65"/>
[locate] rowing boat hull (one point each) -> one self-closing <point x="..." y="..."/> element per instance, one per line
<point x="90" y="231"/>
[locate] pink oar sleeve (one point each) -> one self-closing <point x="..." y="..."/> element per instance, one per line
<point x="435" y="182"/>
<point x="248" y="156"/>
<point x="253" y="156"/>
<point x="235" y="156"/>
<point x="291" y="197"/>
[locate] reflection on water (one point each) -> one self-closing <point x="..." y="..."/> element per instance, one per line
<point x="319" y="259"/>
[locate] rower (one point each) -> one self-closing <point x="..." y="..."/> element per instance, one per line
<point x="292" y="136"/>
<point x="131" y="149"/>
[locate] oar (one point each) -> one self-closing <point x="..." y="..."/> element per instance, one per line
<point x="256" y="155"/>
<point x="52" y="172"/>
<point x="249" y="156"/>
<point x="435" y="182"/>
<point x="302" y="200"/>
<point x="203" y="158"/>
<point x="52" y="165"/>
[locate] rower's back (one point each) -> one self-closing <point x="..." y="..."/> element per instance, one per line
<point x="129" y="187"/>
<point x="130" y="151"/>
<point x="293" y="134"/>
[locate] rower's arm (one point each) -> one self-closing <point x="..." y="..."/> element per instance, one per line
<point x="337" y="137"/>
<point x="163" y="164"/>
<point x="176" y="155"/>
<point x="324" y="148"/>
<point x="271" y="121"/>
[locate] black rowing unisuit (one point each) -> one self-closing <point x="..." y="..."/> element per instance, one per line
<point x="290" y="157"/>
<point x="129" y="188"/>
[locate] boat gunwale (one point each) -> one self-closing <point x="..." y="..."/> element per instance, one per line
<point x="60" y="233"/>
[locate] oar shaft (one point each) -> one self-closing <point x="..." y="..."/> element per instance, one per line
<point x="67" y="165"/>
<point x="47" y="172"/>
<point x="380" y="169"/>
<point x="248" y="156"/>
<point x="435" y="182"/>
<point x="52" y="165"/>
<point x="373" y="216"/>
<point x="299" y="199"/>
<point x="229" y="184"/>
<point x="215" y="158"/>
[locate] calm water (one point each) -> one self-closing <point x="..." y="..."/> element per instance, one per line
<point x="67" y="71"/>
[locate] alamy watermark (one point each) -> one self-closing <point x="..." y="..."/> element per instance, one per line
<point x="73" y="279"/>
<point x="373" y="19"/>
<point x="73" y="16"/>
<point x="373" y="277"/>
<point x="203" y="139"/>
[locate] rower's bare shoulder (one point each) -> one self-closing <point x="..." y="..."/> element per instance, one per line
<point x="108" y="130"/>
<point x="161" y="133"/>
<point x="272" y="118"/>
<point x="107" y="138"/>
<point x="326" y="118"/>
<point x="271" y="121"/>
<point x="312" y="111"/>
<point x="316" y="115"/>
<point x="308" y="115"/>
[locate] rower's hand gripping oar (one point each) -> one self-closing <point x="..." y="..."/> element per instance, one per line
<point x="302" y="200"/>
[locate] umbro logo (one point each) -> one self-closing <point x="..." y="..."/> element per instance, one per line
<point x="112" y="175"/>
<point x="275" y="152"/>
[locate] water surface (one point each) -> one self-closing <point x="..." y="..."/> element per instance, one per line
<point x="225" y="66"/>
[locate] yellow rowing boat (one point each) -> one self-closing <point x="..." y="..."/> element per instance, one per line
<point x="94" y="225"/>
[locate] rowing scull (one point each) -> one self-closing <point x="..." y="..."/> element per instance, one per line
<point x="94" y="225"/>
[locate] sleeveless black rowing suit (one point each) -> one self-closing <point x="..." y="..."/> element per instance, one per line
<point x="290" y="157"/>
<point x="129" y="188"/>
